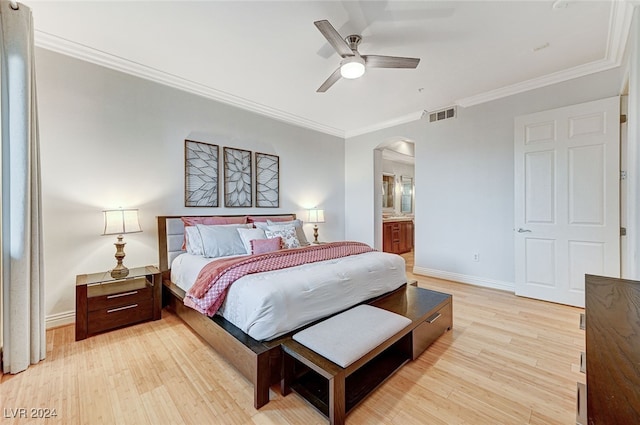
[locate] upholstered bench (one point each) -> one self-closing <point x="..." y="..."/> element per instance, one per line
<point x="350" y="335"/>
<point x="338" y="347"/>
<point x="337" y="363"/>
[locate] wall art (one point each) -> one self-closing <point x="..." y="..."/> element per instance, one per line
<point x="237" y="178"/>
<point x="267" y="180"/>
<point x="200" y="174"/>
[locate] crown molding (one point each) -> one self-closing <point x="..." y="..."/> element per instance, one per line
<point x="88" y="54"/>
<point x="414" y="116"/>
<point x="535" y="83"/>
<point x="619" y="26"/>
<point x="394" y="156"/>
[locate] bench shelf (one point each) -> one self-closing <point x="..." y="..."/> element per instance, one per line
<point x="334" y="391"/>
<point x="315" y="389"/>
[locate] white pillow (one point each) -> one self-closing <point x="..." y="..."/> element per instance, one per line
<point x="193" y="238"/>
<point x="194" y="241"/>
<point x="302" y="238"/>
<point x="248" y="235"/>
<point x="287" y="233"/>
<point x="221" y="240"/>
<point x="261" y="225"/>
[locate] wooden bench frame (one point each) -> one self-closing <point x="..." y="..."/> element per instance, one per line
<point x="431" y="315"/>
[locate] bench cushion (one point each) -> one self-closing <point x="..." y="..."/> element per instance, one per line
<point x="348" y="336"/>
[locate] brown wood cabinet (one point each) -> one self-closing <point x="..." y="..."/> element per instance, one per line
<point x="612" y="312"/>
<point x="104" y="303"/>
<point x="397" y="236"/>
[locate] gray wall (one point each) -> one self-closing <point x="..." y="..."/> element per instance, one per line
<point x="464" y="179"/>
<point x="109" y="139"/>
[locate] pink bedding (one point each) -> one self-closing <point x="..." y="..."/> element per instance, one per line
<point x="208" y="292"/>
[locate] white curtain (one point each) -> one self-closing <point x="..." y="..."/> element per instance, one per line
<point x="24" y="340"/>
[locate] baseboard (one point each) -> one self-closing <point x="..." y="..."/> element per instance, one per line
<point x="463" y="278"/>
<point x="60" y="319"/>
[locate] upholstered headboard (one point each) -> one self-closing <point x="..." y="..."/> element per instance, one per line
<point x="171" y="234"/>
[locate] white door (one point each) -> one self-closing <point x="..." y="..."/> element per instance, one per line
<point x="567" y="199"/>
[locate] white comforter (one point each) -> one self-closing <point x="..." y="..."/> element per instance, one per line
<point x="267" y="305"/>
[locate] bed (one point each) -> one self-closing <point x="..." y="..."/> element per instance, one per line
<point x="250" y="342"/>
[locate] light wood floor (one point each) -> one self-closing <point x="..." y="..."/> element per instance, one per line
<point x="508" y="360"/>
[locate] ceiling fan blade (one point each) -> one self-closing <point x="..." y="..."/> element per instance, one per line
<point x="334" y="38"/>
<point x="333" y="78"/>
<point x="375" y="61"/>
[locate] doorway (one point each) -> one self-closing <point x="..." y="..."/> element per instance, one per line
<point x="394" y="198"/>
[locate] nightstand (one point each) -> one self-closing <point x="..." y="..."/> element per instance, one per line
<point x="104" y="303"/>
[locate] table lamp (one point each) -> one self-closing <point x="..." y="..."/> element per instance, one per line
<point x="315" y="216"/>
<point x="119" y="222"/>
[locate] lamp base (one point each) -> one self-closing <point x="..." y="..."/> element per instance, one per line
<point x="315" y="234"/>
<point x="119" y="271"/>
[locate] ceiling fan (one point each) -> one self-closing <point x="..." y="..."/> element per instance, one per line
<point x="353" y="64"/>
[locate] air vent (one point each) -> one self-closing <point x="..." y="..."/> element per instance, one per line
<point x="443" y="114"/>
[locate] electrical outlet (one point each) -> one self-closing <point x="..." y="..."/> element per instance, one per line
<point x="476" y="257"/>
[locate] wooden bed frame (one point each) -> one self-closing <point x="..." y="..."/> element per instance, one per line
<point x="259" y="362"/>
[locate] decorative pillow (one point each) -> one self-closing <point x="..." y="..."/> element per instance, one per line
<point x="261" y="246"/>
<point x="192" y="221"/>
<point x="261" y="225"/>
<point x="288" y="235"/>
<point x="193" y="241"/>
<point x="264" y="218"/>
<point x="221" y="241"/>
<point x="248" y="235"/>
<point x="302" y="238"/>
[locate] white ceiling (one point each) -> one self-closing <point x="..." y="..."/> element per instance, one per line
<point x="268" y="57"/>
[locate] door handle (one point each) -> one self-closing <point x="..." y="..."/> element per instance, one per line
<point x="521" y="230"/>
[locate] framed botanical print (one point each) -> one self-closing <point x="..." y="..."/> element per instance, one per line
<point x="237" y="178"/>
<point x="267" y="180"/>
<point x="200" y="174"/>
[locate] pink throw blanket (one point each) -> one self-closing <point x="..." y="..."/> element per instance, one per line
<point x="208" y="292"/>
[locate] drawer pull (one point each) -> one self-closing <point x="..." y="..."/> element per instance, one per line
<point x="581" y="405"/>
<point x="583" y="362"/>
<point x="124" y="294"/>
<point x="583" y="322"/>
<point x="433" y="318"/>
<point x="113" y="310"/>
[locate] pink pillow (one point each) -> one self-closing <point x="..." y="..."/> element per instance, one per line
<point x="192" y="221"/>
<point x="262" y="246"/>
<point x="263" y="218"/>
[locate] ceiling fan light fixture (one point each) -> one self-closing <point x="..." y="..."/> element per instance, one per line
<point x="352" y="67"/>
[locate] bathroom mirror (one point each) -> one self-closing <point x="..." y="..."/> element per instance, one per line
<point x="406" y="198"/>
<point x="388" y="190"/>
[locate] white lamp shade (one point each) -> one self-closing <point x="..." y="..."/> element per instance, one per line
<point x="316" y="216"/>
<point x="352" y="67"/>
<point x="119" y="222"/>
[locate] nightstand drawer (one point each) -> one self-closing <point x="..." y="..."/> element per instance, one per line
<point x="117" y="316"/>
<point x="429" y="330"/>
<point x="116" y="294"/>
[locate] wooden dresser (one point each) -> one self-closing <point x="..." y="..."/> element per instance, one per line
<point x="397" y="236"/>
<point x="612" y="313"/>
